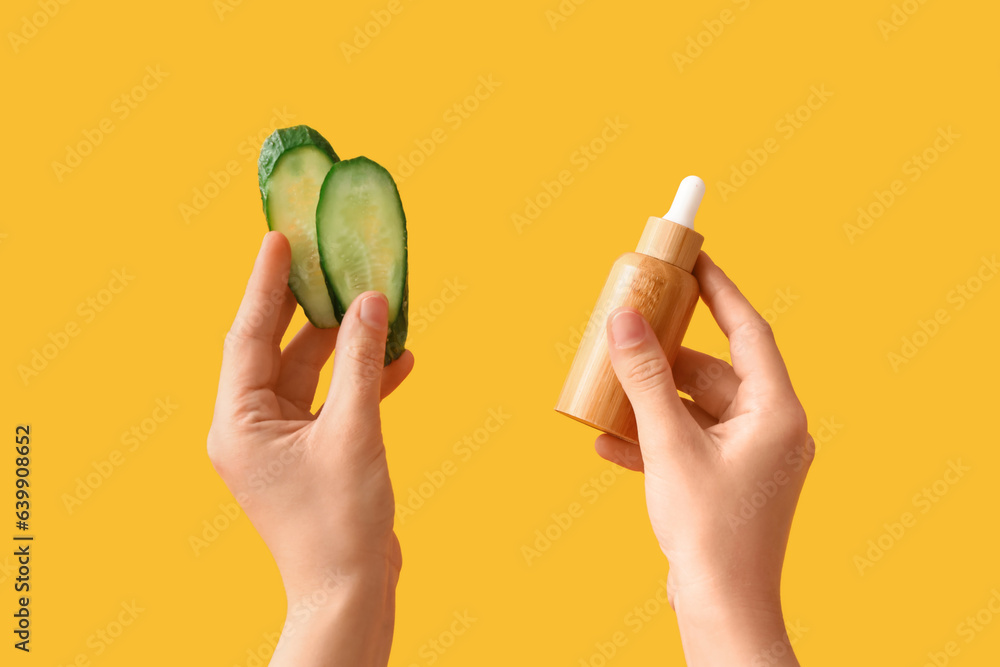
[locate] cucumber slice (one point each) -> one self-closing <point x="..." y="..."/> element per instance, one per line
<point x="361" y="231"/>
<point x="293" y="163"/>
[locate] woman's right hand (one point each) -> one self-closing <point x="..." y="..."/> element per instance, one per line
<point x="708" y="463"/>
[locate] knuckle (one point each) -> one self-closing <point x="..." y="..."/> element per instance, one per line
<point x="752" y="329"/>
<point x="809" y="451"/>
<point x="795" y="426"/>
<point x="799" y="422"/>
<point x="648" y="371"/>
<point x="216" y="452"/>
<point x="763" y="326"/>
<point x="366" y="359"/>
<point x="233" y="341"/>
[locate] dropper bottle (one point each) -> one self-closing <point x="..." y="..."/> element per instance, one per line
<point x="656" y="281"/>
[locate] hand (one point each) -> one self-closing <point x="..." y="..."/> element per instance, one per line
<point x="315" y="486"/>
<point x="741" y="443"/>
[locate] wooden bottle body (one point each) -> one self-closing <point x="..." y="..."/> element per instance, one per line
<point x="666" y="296"/>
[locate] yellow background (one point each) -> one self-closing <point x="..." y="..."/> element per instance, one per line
<point x="525" y="295"/>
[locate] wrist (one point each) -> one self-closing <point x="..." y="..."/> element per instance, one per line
<point x="347" y="620"/>
<point x="337" y="593"/>
<point x="719" y="613"/>
<point x="732" y="625"/>
<point x="306" y="584"/>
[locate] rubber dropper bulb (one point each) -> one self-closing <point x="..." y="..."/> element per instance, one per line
<point x="686" y="202"/>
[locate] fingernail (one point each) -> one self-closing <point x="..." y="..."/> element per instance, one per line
<point x="375" y="311"/>
<point x="627" y="329"/>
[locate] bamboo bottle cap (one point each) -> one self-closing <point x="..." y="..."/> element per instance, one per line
<point x="672" y="238"/>
<point x="670" y="242"/>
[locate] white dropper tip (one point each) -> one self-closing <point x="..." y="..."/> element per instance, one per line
<point x="686" y="201"/>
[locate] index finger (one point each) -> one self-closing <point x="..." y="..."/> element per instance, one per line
<point x="755" y="354"/>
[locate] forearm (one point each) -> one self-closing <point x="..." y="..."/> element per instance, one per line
<point x="718" y="633"/>
<point x="349" y="624"/>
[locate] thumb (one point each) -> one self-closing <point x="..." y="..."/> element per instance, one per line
<point x="646" y="377"/>
<point x="360" y="356"/>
